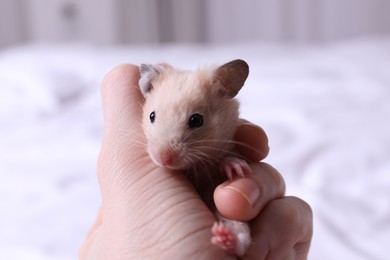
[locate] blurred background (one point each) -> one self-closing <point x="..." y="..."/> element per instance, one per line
<point x="202" y="21"/>
<point x="319" y="85"/>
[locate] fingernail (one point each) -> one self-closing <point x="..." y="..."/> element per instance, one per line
<point x="247" y="188"/>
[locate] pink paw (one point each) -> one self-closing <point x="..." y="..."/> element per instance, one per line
<point x="233" y="166"/>
<point x="224" y="237"/>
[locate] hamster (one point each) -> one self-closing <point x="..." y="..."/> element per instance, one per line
<point x="189" y="120"/>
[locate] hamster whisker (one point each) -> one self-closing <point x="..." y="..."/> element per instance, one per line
<point x="140" y="144"/>
<point x="204" y="163"/>
<point x="201" y="156"/>
<point x="198" y="158"/>
<point x="233" y="142"/>
<point x="242" y="144"/>
<point x="220" y="151"/>
<point x="204" y="159"/>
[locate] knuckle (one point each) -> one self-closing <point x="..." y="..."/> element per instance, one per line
<point x="270" y="180"/>
<point x="297" y="212"/>
<point x="291" y="213"/>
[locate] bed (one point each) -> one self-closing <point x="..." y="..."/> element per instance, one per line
<point x="326" y="110"/>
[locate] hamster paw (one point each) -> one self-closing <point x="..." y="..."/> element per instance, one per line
<point x="224" y="237"/>
<point x="233" y="167"/>
<point x="232" y="236"/>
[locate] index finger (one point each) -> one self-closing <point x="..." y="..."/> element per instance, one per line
<point x="252" y="141"/>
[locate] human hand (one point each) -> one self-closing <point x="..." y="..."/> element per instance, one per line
<point x="148" y="213"/>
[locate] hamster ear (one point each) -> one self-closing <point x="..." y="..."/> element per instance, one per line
<point x="148" y="73"/>
<point x="231" y="77"/>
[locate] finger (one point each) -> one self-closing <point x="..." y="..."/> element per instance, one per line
<point x="283" y="230"/>
<point x="242" y="199"/>
<point x="252" y="141"/>
<point x="122" y="101"/>
<point x="123" y="149"/>
<point x="122" y="113"/>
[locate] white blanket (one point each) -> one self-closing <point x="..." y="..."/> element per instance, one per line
<point x="326" y="111"/>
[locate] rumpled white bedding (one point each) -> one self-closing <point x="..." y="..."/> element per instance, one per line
<point x="326" y="111"/>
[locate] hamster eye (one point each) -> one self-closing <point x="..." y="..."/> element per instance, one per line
<point x="196" y="120"/>
<point x="152" y="117"/>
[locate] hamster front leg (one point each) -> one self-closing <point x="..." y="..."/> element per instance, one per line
<point x="235" y="167"/>
<point x="232" y="236"/>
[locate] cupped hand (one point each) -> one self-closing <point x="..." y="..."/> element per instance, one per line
<point x="148" y="213"/>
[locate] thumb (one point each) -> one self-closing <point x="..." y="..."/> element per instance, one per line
<point x="122" y="104"/>
<point x="122" y="153"/>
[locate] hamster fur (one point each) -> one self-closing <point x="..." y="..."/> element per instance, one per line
<point x="189" y="120"/>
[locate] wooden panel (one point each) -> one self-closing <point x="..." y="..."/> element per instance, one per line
<point x="138" y="21"/>
<point x="216" y="21"/>
<point x="71" y="20"/>
<point x="11" y="22"/>
<point x="55" y="20"/>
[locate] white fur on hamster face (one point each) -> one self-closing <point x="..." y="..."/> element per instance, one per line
<point x="186" y="119"/>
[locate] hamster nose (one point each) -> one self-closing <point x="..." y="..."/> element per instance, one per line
<point x="166" y="158"/>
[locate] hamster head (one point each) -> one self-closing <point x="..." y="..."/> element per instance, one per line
<point x="190" y="117"/>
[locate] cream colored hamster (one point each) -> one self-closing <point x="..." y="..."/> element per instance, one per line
<point x="189" y="120"/>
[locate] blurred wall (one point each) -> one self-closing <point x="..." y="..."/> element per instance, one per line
<point x="155" y="21"/>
